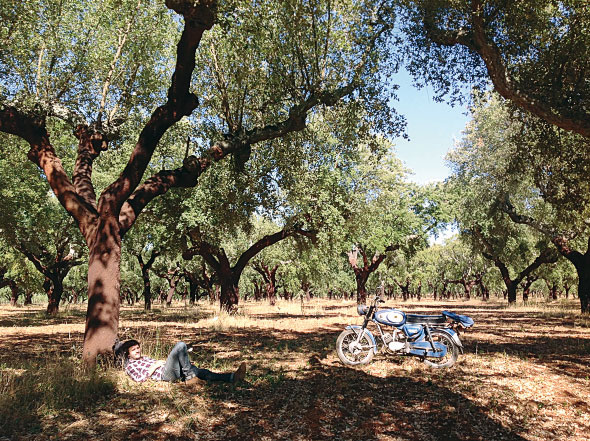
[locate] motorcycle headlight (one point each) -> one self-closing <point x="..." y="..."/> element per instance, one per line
<point x="362" y="309"/>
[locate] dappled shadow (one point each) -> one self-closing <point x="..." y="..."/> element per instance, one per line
<point x="303" y="394"/>
<point x="29" y="348"/>
<point x="39" y="317"/>
<point x="328" y="403"/>
<point x="342" y="403"/>
<point x="519" y="334"/>
<point x="178" y="315"/>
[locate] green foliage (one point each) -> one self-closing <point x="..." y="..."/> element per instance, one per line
<point x="70" y="50"/>
<point x="538" y="49"/>
<point x="492" y="163"/>
<point x="32" y="218"/>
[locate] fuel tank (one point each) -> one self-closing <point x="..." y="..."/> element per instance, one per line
<point x="391" y="317"/>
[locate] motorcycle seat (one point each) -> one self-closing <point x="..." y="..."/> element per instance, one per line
<point x="426" y="319"/>
<point x="465" y="320"/>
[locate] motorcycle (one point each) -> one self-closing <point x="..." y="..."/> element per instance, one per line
<point x="432" y="338"/>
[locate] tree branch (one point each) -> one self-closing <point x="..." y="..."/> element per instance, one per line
<point x="267" y="241"/>
<point x="477" y="41"/>
<point x="237" y="143"/>
<point x="198" y="18"/>
<point x="32" y="129"/>
<point x="90" y="145"/>
<point x="107" y="82"/>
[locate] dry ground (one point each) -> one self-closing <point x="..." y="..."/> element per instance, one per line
<point x="525" y="376"/>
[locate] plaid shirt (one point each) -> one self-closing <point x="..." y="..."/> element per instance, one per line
<point x="138" y="369"/>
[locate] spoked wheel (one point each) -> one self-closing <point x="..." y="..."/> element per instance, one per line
<point x="353" y="352"/>
<point x="452" y="351"/>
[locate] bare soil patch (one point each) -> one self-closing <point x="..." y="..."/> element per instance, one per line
<point x="525" y="375"/>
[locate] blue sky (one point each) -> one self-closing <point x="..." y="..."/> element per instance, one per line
<point x="432" y="128"/>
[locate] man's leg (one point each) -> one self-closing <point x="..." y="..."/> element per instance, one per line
<point x="207" y="375"/>
<point x="178" y="365"/>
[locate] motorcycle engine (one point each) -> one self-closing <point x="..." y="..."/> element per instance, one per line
<point x="396" y="346"/>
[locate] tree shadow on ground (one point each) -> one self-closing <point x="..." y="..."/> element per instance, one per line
<point x="327" y="403"/>
<point x="40" y="317"/>
<point x="343" y="403"/>
<point x="294" y="391"/>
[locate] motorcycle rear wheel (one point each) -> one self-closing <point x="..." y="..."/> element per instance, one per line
<point x="352" y="353"/>
<point x="452" y="351"/>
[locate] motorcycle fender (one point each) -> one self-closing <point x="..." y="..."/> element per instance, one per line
<point x="454" y="336"/>
<point x="371" y="337"/>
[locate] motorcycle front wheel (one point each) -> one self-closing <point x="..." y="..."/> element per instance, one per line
<point x="351" y="352"/>
<point x="450" y="357"/>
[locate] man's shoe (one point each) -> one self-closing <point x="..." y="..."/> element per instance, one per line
<point x="191" y="378"/>
<point x="240" y="373"/>
<point x="190" y="381"/>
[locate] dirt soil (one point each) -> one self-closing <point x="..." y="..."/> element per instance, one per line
<point x="525" y="375"/>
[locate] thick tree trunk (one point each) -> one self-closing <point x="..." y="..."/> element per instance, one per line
<point x="271" y="293"/>
<point x="362" y="272"/>
<point x="145" y="275"/>
<point x="13" y="295"/>
<point x="193" y="291"/>
<point x="526" y="288"/>
<point x="230" y="295"/>
<point x="257" y="291"/>
<point x="269" y="276"/>
<point x="104" y="277"/>
<point x="229" y="277"/>
<point x="511" y="290"/>
<point x="584" y="292"/>
<point x="468" y="287"/>
<point x="13" y="287"/>
<point x="171" y="291"/>
<point x="147" y="293"/>
<point x="54" y="295"/>
<point x="361" y="287"/>
<point x="583" y="270"/>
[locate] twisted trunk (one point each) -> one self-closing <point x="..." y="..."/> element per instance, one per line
<point x="145" y="275"/>
<point x="54" y="289"/>
<point x="228" y="275"/>
<point x="12" y="285"/>
<point x="362" y="273"/>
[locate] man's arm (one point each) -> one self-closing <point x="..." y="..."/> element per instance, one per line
<point x="155" y="365"/>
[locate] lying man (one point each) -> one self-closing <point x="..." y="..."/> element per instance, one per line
<point x="177" y="366"/>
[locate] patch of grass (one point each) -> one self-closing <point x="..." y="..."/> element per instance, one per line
<point x="31" y="395"/>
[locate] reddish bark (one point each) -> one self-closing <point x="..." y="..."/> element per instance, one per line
<point x="4" y="281"/>
<point x="548" y="255"/>
<point x="228" y="275"/>
<point x="581" y="261"/>
<point x="270" y="279"/>
<point x="467" y="285"/>
<point x="405" y="287"/>
<point x="362" y="273"/>
<point x="103" y="223"/>
<point x="172" y="276"/>
<point x="54" y="268"/>
<point x="258" y="291"/>
<point x="552" y="286"/>
<point x="526" y="286"/>
<point x="145" y="275"/>
<point x="204" y="282"/>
